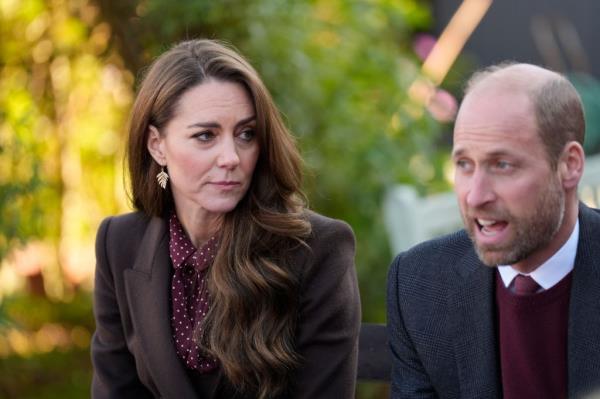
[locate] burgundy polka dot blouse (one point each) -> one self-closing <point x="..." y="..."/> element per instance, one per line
<point x="189" y="294"/>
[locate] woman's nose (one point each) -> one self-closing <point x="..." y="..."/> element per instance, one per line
<point x="228" y="156"/>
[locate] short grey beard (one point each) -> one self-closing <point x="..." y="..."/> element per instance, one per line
<point x="527" y="242"/>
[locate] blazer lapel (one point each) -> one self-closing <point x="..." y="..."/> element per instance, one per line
<point x="473" y="314"/>
<point x="584" y="309"/>
<point x="147" y="286"/>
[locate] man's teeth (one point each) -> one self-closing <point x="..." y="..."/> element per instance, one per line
<point x="485" y="222"/>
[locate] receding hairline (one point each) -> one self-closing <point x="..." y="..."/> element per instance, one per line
<point x="557" y="105"/>
<point x="520" y="77"/>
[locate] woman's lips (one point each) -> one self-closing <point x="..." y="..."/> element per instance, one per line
<point x="225" y="184"/>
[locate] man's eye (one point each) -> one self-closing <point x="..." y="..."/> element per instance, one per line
<point x="503" y="165"/>
<point x="463" y="164"/>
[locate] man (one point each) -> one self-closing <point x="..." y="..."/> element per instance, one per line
<point x="510" y="306"/>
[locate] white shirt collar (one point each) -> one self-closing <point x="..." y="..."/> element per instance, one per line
<point x="551" y="271"/>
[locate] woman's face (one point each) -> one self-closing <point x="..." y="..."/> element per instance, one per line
<point x="209" y="147"/>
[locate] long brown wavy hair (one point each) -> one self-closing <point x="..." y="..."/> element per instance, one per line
<point x="250" y="327"/>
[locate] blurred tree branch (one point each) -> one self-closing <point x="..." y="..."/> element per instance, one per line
<point x="124" y="23"/>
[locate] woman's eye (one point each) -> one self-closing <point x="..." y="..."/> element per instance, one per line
<point x="247" y="135"/>
<point x="204" y="136"/>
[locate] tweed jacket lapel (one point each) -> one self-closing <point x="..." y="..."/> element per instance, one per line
<point x="147" y="286"/>
<point x="584" y="309"/>
<point x="473" y="315"/>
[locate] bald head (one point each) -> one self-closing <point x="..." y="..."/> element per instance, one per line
<point x="554" y="101"/>
<point x="518" y="77"/>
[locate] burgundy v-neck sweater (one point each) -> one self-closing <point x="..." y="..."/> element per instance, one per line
<point x="532" y="331"/>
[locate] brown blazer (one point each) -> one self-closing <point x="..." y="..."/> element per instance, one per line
<point x="132" y="349"/>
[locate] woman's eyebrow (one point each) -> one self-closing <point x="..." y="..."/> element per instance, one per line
<point x="216" y="124"/>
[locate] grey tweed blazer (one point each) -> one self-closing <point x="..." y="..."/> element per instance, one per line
<point x="442" y="322"/>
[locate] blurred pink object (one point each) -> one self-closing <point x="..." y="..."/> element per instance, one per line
<point x="423" y="44"/>
<point x="443" y="106"/>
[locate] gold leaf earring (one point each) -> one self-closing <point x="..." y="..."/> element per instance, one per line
<point x="162" y="178"/>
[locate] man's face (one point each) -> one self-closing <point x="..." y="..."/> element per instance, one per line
<point x="511" y="199"/>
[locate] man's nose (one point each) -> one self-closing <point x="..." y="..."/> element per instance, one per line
<point x="480" y="190"/>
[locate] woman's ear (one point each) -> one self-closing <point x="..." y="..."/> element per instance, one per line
<point x="155" y="146"/>
<point x="571" y="165"/>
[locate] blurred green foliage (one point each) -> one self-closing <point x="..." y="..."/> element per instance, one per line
<point x="59" y="374"/>
<point x="339" y="70"/>
<point x="52" y="358"/>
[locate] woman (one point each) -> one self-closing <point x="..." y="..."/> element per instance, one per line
<point x="222" y="284"/>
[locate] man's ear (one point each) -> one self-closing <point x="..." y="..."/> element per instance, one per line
<point x="571" y="165"/>
<point x="155" y="146"/>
